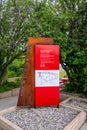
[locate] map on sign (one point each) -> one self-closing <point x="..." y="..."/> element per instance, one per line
<point x="47" y="78"/>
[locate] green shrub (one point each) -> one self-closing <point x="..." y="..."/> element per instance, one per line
<point x="68" y="87"/>
<point x="15" y="68"/>
<point x="6" y="86"/>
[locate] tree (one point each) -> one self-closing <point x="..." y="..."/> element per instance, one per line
<point x="14" y="24"/>
<point x="18" y="21"/>
<point x="71" y="34"/>
<point x="74" y="50"/>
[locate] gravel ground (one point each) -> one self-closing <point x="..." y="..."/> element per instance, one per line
<point x="74" y="94"/>
<point x="45" y="118"/>
<point x="78" y="103"/>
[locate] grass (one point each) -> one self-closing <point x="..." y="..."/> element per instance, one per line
<point x="9" y="86"/>
<point x="62" y="74"/>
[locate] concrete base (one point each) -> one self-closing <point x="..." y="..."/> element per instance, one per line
<point x="65" y="102"/>
<point x="6" y="124"/>
<point x="75" y="124"/>
<point x="84" y="127"/>
<point x="78" y="121"/>
<point x="63" y="97"/>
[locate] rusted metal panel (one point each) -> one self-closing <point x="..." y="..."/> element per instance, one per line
<point x="42" y="41"/>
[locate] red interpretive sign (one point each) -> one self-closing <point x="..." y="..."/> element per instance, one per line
<point x="46" y="75"/>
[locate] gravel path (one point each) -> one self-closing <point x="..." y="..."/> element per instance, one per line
<point x="78" y="103"/>
<point x="49" y="118"/>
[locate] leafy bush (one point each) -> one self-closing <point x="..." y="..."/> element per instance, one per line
<point x="6" y="86"/>
<point x="74" y="49"/>
<point x="15" y="69"/>
<point x="68" y="87"/>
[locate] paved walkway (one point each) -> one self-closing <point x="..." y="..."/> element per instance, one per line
<point x="12" y="101"/>
<point x="8" y="102"/>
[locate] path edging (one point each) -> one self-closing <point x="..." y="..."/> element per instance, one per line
<point x="11" y="93"/>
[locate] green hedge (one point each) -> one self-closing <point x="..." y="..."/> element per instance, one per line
<point x="9" y="86"/>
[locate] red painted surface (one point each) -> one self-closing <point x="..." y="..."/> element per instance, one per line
<point x="47" y="57"/>
<point x="47" y="96"/>
<point x="46" y="72"/>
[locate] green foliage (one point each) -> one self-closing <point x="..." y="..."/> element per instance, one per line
<point x="74" y="51"/>
<point x="15" y="69"/>
<point x="68" y="87"/>
<point x="14" y="30"/>
<point x="6" y="86"/>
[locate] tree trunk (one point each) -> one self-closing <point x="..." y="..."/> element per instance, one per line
<point x="4" y="77"/>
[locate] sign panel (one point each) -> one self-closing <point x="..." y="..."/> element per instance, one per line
<point x="46" y="78"/>
<point x="46" y="75"/>
<point x="47" y="57"/>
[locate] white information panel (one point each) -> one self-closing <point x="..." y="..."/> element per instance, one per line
<point x="46" y="78"/>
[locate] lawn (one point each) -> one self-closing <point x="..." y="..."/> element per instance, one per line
<point x="62" y="74"/>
